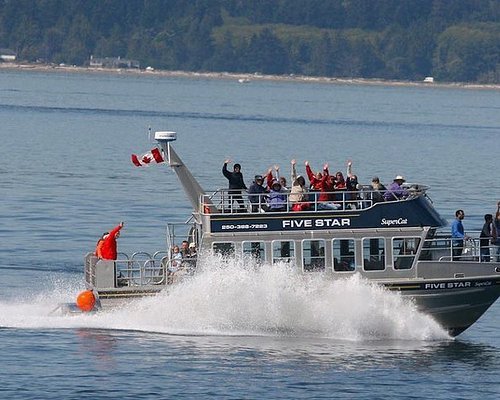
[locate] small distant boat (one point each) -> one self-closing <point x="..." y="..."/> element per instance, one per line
<point x="398" y="244"/>
<point x="243" y="80"/>
<point x="429" y="79"/>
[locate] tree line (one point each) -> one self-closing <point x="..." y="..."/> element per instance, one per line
<point x="452" y="40"/>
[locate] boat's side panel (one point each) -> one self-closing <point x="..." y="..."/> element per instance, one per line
<point x="402" y="214"/>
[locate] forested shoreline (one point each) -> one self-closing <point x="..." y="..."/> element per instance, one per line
<point x="451" y="40"/>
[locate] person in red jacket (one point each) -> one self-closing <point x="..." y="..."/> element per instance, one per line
<point x="314" y="178"/>
<point x="108" y="247"/>
<point x="100" y="242"/>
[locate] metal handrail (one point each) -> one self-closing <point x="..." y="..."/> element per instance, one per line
<point x="223" y="200"/>
<point x="440" y="248"/>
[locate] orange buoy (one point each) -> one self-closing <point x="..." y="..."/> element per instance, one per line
<point x="86" y="301"/>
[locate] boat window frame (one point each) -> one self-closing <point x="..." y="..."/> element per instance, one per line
<point x="384" y="254"/>
<point x="228" y="254"/>
<point x="404" y="257"/>
<point x="354" y="263"/>
<point x="289" y="259"/>
<point x="262" y="252"/>
<point x="321" y="269"/>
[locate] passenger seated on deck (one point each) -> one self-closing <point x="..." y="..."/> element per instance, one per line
<point x="280" y="179"/>
<point x="326" y="187"/>
<point x="184" y="248"/>
<point x="175" y="265"/>
<point x="277" y="198"/>
<point x="298" y="193"/>
<point x="256" y="194"/>
<point x="189" y="260"/>
<point x="176" y="260"/>
<point x="352" y="187"/>
<point x="396" y="191"/>
<point x="378" y="190"/>
<point x="192" y="251"/>
<point x="339" y="188"/>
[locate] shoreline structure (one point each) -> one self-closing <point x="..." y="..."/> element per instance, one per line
<point x="240" y="77"/>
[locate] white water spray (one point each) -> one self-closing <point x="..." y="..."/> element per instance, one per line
<point x="241" y="298"/>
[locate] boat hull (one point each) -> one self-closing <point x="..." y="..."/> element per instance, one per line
<point x="455" y="304"/>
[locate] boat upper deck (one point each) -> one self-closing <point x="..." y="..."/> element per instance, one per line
<point x="224" y="211"/>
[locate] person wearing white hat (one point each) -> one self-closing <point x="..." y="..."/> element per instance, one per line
<point x="396" y="191"/>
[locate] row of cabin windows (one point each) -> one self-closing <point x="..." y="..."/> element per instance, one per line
<point x="343" y="252"/>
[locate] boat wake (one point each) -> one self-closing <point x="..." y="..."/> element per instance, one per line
<point x="238" y="297"/>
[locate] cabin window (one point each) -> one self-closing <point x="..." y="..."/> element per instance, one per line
<point x="403" y="251"/>
<point x="223" y="248"/>
<point x="255" y="249"/>
<point x="313" y="253"/>
<point x="343" y="254"/>
<point x="373" y="254"/>
<point x="283" y="251"/>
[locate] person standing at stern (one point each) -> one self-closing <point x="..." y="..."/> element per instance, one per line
<point x="109" y="245"/>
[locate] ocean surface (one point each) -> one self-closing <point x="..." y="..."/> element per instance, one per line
<point x="66" y="177"/>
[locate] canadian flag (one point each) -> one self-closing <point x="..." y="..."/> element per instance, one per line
<point x="151" y="156"/>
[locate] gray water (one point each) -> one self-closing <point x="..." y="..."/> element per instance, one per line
<point x="66" y="177"/>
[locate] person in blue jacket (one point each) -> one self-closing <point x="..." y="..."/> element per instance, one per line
<point x="458" y="234"/>
<point x="256" y="194"/>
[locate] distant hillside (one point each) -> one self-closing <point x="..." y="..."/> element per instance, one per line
<point x="451" y="40"/>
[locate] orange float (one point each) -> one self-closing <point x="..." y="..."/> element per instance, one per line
<point x="86" y="301"/>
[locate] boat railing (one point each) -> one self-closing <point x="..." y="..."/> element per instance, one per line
<point x="443" y="247"/>
<point x="140" y="269"/>
<point x="230" y="201"/>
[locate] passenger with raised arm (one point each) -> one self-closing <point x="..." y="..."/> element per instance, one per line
<point x="326" y="187"/>
<point x="340" y="188"/>
<point x="109" y="245"/>
<point x="316" y="181"/>
<point x="236" y="184"/>
<point x="396" y="191"/>
<point x="100" y="242"/>
<point x="314" y="178"/>
<point x="281" y="179"/>
<point x="256" y="194"/>
<point x="458" y="235"/>
<point x="352" y="186"/>
<point x="298" y="193"/>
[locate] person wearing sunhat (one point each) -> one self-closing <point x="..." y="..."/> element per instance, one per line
<point x="396" y="191"/>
